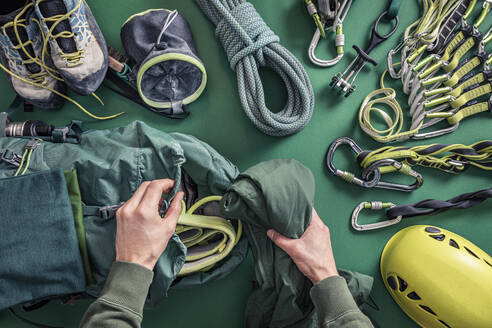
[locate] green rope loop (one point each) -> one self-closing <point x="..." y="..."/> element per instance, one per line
<point x="250" y="44"/>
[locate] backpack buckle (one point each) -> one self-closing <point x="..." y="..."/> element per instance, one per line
<point x="11" y="157"/>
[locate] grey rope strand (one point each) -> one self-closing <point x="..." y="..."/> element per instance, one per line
<point x="250" y="44"/>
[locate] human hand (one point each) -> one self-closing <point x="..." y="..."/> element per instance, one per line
<point x="312" y="252"/>
<point x="141" y="234"/>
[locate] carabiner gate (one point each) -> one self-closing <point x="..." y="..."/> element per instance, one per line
<point x="373" y="206"/>
<point x="373" y="169"/>
<point x="339" y="43"/>
<point x="345" y="175"/>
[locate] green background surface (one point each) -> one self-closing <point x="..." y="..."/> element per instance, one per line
<point x="218" y="119"/>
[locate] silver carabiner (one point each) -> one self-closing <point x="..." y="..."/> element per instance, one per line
<point x="373" y="169"/>
<point x="345" y="175"/>
<point x="373" y="206"/>
<point x="339" y="42"/>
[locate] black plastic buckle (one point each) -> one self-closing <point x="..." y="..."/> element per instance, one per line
<point x="108" y="212"/>
<point x="11" y="157"/>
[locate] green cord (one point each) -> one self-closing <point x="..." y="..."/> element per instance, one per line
<point x="21" y="163"/>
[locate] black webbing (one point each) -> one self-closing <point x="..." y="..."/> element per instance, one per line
<point x="450" y="22"/>
<point x="434" y="206"/>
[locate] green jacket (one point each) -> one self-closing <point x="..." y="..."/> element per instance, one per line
<point x="122" y="300"/>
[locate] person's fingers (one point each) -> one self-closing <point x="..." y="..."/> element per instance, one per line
<point x="281" y="241"/>
<point x="174" y="210"/>
<point x="153" y="195"/>
<point x="133" y="202"/>
<point x="315" y="220"/>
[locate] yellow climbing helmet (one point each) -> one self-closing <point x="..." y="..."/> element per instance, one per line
<point x="440" y="280"/>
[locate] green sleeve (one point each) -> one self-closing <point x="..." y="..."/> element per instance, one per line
<point x="122" y="299"/>
<point x="335" y="305"/>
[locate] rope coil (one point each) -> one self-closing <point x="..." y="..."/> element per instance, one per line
<point x="250" y="44"/>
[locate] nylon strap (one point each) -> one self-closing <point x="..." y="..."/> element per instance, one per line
<point x="434" y="206"/>
<point x="462" y="71"/>
<point x="470" y="95"/>
<point x="455" y="42"/>
<point x="460" y="52"/>
<point x="469" y="111"/>
<point x="458" y="90"/>
<point x="393" y="8"/>
<point x="450" y="158"/>
<point x="448" y="27"/>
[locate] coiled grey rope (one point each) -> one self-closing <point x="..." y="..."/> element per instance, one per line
<point x="251" y="44"/>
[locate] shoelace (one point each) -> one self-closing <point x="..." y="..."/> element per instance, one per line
<point x="72" y="58"/>
<point x="36" y="78"/>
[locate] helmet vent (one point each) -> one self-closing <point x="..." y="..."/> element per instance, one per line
<point x="445" y="324"/>
<point x="471" y="253"/>
<point x="402" y="284"/>
<point x="392" y="282"/>
<point x="453" y="243"/>
<point x="488" y="263"/>
<point x="413" y="296"/>
<point x="439" y="237"/>
<point x="428" y="309"/>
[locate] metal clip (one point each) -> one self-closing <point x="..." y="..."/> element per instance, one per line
<point x="32" y="144"/>
<point x="339" y="42"/>
<point x="373" y="169"/>
<point x="11" y="157"/>
<point x="373" y="206"/>
<point x="347" y="176"/>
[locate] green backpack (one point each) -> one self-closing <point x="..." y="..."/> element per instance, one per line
<point x="101" y="169"/>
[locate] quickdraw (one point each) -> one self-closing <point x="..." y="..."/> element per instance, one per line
<point x="330" y="17"/>
<point x="448" y="158"/>
<point x="395" y="214"/>
<point x="452" y="96"/>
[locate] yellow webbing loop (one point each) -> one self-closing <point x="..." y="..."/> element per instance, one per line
<point x="387" y="97"/>
<point x="196" y="233"/>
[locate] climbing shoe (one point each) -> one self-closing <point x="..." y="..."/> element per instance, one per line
<point x="75" y="43"/>
<point x="21" y="46"/>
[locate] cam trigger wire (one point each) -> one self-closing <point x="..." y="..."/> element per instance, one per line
<point x="251" y="44"/>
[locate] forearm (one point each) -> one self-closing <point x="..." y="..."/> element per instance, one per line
<point x="335" y="305"/>
<point x="122" y="299"/>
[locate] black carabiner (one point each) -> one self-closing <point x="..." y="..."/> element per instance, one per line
<point x="375" y="40"/>
<point x="345" y="175"/>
